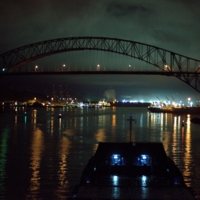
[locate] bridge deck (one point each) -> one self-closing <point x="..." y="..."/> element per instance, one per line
<point x="98" y="72"/>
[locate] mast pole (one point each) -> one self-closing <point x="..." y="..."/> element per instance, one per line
<point x="130" y="120"/>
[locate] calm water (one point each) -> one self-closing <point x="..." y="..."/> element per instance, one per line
<point x="42" y="157"/>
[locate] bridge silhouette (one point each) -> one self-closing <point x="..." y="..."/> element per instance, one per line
<point x="164" y="62"/>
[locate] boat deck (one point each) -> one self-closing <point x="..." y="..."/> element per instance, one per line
<point x="140" y="170"/>
<point x="143" y="187"/>
<point x="133" y="193"/>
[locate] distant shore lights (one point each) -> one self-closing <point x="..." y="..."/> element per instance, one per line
<point x="189" y="102"/>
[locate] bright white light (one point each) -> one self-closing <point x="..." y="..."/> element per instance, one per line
<point x="144" y="178"/>
<point x="115" y="180"/>
<point x="144" y="156"/>
<point x="36" y="67"/>
<point x="81" y="103"/>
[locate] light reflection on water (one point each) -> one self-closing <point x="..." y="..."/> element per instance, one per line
<point x="53" y="151"/>
<point x="3" y="158"/>
<point x="63" y="165"/>
<point x="37" y="147"/>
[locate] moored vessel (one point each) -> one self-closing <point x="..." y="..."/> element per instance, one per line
<point x="174" y="109"/>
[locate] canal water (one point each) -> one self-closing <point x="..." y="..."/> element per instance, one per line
<point x="42" y="156"/>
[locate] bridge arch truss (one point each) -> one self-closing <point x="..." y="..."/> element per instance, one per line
<point x="182" y="67"/>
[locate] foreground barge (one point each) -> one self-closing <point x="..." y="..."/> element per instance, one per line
<point x="131" y="171"/>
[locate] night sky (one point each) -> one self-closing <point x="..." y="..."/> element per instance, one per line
<point x="169" y="24"/>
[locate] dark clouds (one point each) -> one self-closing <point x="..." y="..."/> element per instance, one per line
<point x="120" y="10"/>
<point x="168" y="24"/>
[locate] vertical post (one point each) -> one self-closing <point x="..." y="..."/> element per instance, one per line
<point x="131" y="119"/>
<point x="130" y="126"/>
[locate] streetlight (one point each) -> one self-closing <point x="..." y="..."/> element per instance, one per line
<point x="98" y="67"/>
<point x="63" y="66"/>
<point x="36" y="68"/>
<point x="166" y="67"/>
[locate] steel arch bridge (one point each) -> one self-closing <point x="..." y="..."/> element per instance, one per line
<point x="169" y="63"/>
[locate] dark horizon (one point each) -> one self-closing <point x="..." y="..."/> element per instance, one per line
<point x="102" y="89"/>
